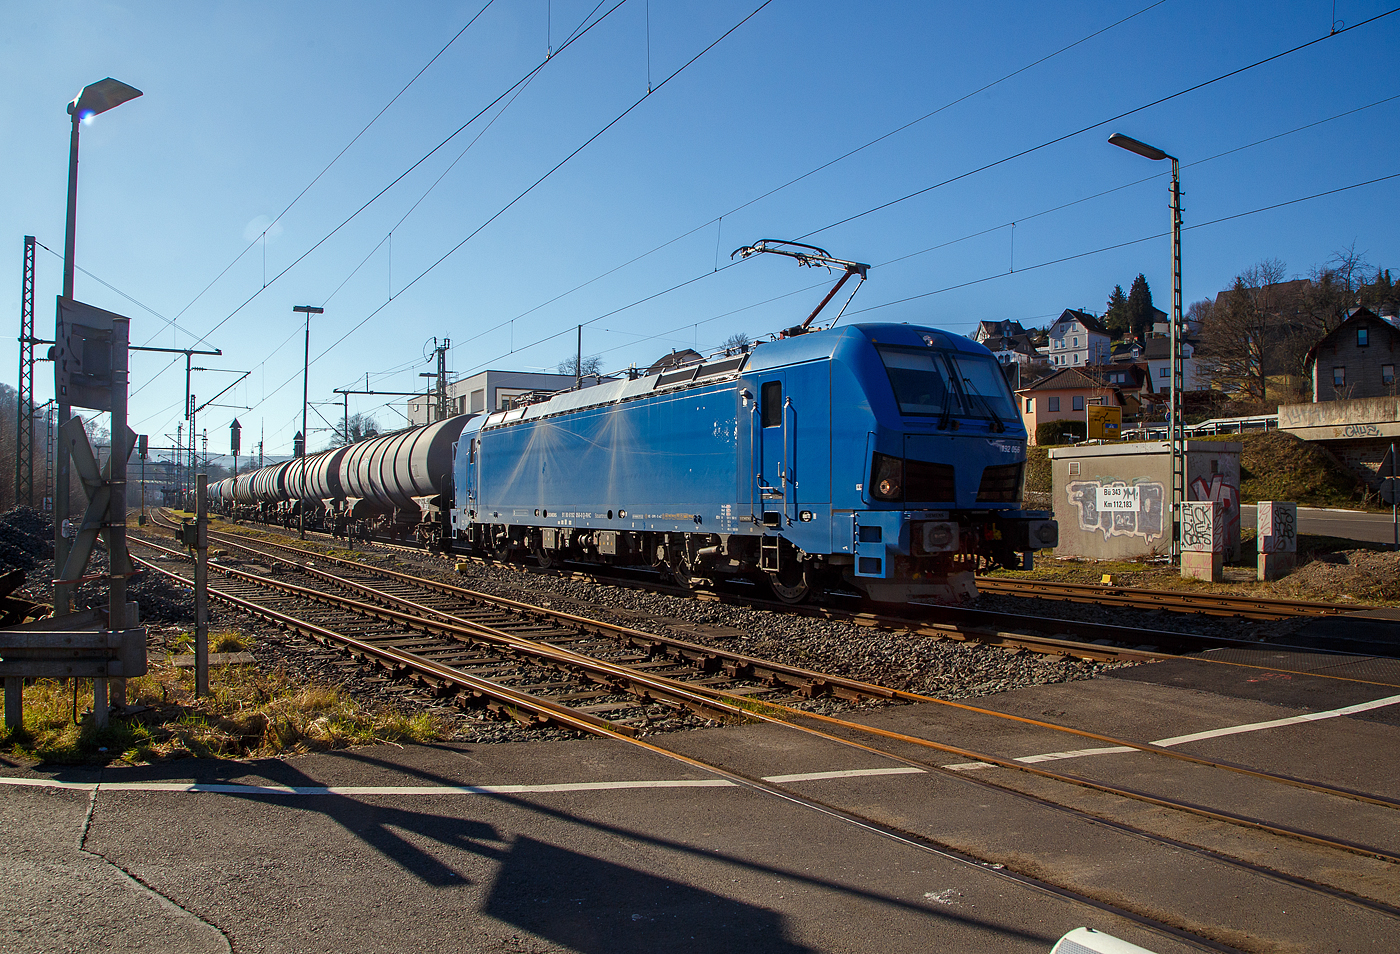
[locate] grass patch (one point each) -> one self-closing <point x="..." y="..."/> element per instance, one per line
<point x="248" y="714"/>
<point x="1275" y="465"/>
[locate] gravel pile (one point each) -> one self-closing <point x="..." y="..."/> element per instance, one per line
<point x="26" y="538"/>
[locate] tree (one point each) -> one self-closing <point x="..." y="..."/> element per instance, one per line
<point x="1379" y="291"/>
<point x="1116" y="317"/>
<point x="737" y="343"/>
<point x="1139" y="308"/>
<point x="1240" y="337"/>
<point x="361" y="426"/>
<point x="591" y="365"/>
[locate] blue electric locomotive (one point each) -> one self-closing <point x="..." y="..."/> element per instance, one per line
<point x="888" y="456"/>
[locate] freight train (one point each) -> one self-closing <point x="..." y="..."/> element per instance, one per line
<point x="885" y="457"/>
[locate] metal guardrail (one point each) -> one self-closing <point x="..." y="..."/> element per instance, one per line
<point x="73" y="646"/>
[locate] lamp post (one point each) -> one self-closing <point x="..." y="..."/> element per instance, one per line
<point x="308" y="311"/>
<point x="1175" y="424"/>
<point x="90" y="101"/>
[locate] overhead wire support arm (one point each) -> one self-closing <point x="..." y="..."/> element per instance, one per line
<point x="812" y="257"/>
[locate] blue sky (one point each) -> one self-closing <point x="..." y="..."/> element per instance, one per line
<point x="247" y="103"/>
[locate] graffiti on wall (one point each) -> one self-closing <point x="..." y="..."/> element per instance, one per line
<point x="1202" y="527"/>
<point x="1227" y="495"/>
<point x="1278" y="527"/>
<point x="1145" y="522"/>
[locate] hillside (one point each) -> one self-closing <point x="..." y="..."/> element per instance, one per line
<point x="1273" y="466"/>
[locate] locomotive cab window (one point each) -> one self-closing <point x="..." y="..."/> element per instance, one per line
<point x="919" y="379"/>
<point x="772" y="404"/>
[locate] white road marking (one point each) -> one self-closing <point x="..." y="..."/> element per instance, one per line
<point x="218" y="788"/>
<point x="853" y="773"/>
<point x="1194" y="736"/>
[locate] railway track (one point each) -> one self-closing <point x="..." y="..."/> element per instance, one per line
<point x="1205" y="604"/>
<point x="1047" y="635"/>
<point x="1209" y="604"/>
<point x="652" y="670"/>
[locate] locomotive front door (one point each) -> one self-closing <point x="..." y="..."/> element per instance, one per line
<point x="773" y="479"/>
<point x="473" y="479"/>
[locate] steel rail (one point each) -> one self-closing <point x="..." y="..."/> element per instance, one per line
<point x="657" y="689"/>
<point x="754" y="709"/>
<point x="746" y="708"/>
<point x="1092" y="652"/>
<point x="607" y="730"/>
<point x="543" y="708"/>
<point x="737" y="663"/>
<point x="1211" y="604"/>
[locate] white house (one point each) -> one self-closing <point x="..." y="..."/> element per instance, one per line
<point x="1078" y="339"/>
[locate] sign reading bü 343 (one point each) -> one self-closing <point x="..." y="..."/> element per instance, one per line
<point x="1119" y="497"/>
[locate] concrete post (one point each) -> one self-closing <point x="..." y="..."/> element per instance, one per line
<point x="1202" y="541"/>
<point x="201" y="586"/>
<point x="1277" y="538"/>
<point x="14" y="702"/>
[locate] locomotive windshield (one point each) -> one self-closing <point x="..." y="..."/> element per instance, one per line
<point x="920" y="379"/>
<point x="930" y="382"/>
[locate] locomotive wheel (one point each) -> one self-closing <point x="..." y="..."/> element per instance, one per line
<point x="543" y="557"/>
<point x="793" y="583"/>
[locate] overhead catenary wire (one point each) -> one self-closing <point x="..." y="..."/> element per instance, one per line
<point x="1136" y="241"/>
<point x="325" y="238"/>
<point x="1021" y="218"/>
<point x="319" y="175"/>
<point x="717" y="220"/>
<point x="560" y="164"/>
<point x="1098" y="125"/>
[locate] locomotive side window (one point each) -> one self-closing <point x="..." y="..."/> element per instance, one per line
<point x="773" y="404"/>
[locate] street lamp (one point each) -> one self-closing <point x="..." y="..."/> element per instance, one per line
<point x="308" y="311"/>
<point x="1175" y="424"/>
<point x="90" y="101"/>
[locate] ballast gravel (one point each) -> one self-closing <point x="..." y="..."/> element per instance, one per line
<point x="946" y="669"/>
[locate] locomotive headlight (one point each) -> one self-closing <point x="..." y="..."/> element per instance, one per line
<point x="887" y="477"/>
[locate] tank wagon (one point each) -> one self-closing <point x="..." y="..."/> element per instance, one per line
<point x="395" y="483"/>
<point x="403" y="480"/>
<point x="890" y="457"/>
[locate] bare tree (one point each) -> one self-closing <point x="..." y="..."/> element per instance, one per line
<point x="591" y="365"/>
<point x="361" y="427"/>
<point x="1238" y="338"/>
<point x="1334" y="290"/>
<point x="737" y="343"/>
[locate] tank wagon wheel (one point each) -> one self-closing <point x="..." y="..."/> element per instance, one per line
<point x="794" y="583"/>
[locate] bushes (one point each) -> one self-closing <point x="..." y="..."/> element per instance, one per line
<point x="1061" y="432"/>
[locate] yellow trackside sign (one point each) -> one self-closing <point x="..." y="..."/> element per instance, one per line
<point x="1105" y="423"/>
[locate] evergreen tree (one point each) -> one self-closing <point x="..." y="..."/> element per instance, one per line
<point x="1140" y="308"/>
<point x="1116" y="317"/>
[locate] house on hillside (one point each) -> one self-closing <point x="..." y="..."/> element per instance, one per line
<point x="997" y="329"/>
<point x="1014" y="349"/>
<point x="1063" y="395"/>
<point x="1157" y="357"/>
<point x="1355" y="360"/>
<point x="1078" y="339"/>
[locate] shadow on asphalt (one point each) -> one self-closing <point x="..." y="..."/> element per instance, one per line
<point x="586" y="904"/>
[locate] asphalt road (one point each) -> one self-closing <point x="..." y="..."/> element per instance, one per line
<point x="1347" y="524"/>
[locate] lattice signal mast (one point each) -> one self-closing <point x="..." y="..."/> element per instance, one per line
<point x="24" y="411"/>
